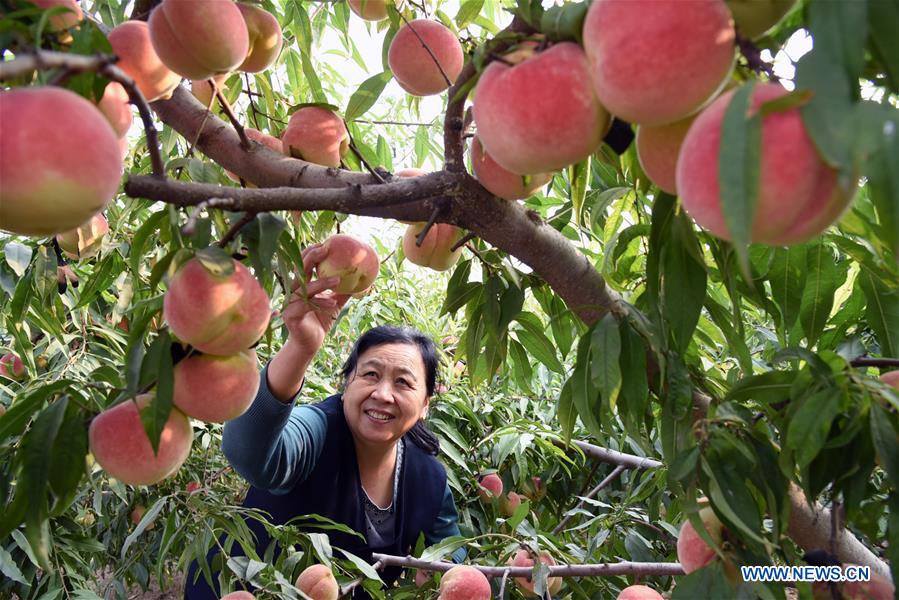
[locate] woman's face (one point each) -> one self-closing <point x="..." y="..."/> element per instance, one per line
<point x="387" y="393"/>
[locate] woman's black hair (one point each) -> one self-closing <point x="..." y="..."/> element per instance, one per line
<point x="423" y="437"/>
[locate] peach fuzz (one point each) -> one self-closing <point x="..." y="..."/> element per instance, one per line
<point x="352" y="260"/>
<point x="523" y="558"/>
<point x="541" y="114"/>
<point x="500" y="182"/>
<point x="464" y="583"/>
<point x="120" y="445"/>
<point x="657" y="149"/>
<point x="490" y="487"/>
<point x="64" y="20"/>
<point x="798" y="194"/>
<point x="414" y="67"/>
<point x="199" y="39"/>
<point x="318" y="582"/>
<point x="370" y="10"/>
<point x="216" y="314"/>
<point x="891" y="378"/>
<point x="12" y="367"/>
<point x="692" y="551"/>
<point x="657" y="61"/>
<point x="434" y="252"/>
<point x="84" y="241"/>
<point x="639" y="592"/>
<point x="239" y="595"/>
<point x="131" y="43"/>
<point x="265" y="38"/>
<point x="216" y="389"/>
<point x="317" y="135"/>
<point x="57" y="172"/>
<point x="116" y="108"/>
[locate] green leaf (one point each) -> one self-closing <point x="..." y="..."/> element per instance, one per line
<point x="146" y="519"/>
<point x="881" y="312"/>
<point x="634" y="384"/>
<point x="67" y="458"/>
<point x="18" y="256"/>
<point x="809" y="426"/>
<point x="767" y="388"/>
<point x="584" y="394"/>
<point x="787" y="275"/>
<point x="824" y="277"/>
<point x="886" y="442"/>
<point x="366" y="95"/>
<point x="157" y="366"/>
<point x="142" y="236"/>
<point x="605" y="350"/>
<point x="684" y="282"/>
<point x="565" y="22"/>
<point x="738" y="171"/>
<point x="882" y="171"/>
<point x="468" y="12"/>
<point x="535" y="341"/>
<point x="882" y="18"/>
<point x="10" y="569"/>
<point x="578" y="175"/>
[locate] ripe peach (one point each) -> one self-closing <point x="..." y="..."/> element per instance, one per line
<point x="501" y="182"/>
<point x="463" y="582"/>
<point x="216" y="389"/>
<point x="120" y="445"/>
<point x="216" y="314"/>
<point x="317" y="135"/>
<point x="509" y="503"/>
<point x="239" y="595"/>
<point x="657" y="61"/>
<point x="199" y="39"/>
<point x="352" y="260"/>
<point x="434" y="251"/>
<point x="692" y="551"/>
<point x="422" y="577"/>
<point x="639" y="592"/>
<point x="891" y="378"/>
<point x="84" y="241"/>
<point x="491" y="487"/>
<point x="116" y="108"/>
<point x="798" y="194"/>
<point x="138" y="513"/>
<point x="131" y="43"/>
<point x="414" y="67"/>
<point x="12" y="367"/>
<point x="202" y="89"/>
<point x="65" y="20"/>
<point x="370" y="10"/>
<point x="193" y="487"/>
<point x="318" y="582"/>
<point x="541" y="114"/>
<point x="754" y="18"/>
<point x="265" y="38"/>
<point x="657" y="149"/>
<point x="57" y="172"/>
<point x="523" y="558"/>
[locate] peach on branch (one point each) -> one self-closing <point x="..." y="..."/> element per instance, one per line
<point x="490" y="487"/>
<point x="435" y="251"/>
<point x="120" y="445"/>
<point x="463" y="582"/>
<point x="425" y="57"/>
<point x="199" y="39"/>
<point x="370" y="10"/>
<point x="755" y="18"/>
<point x="84" y="241"/>
<point x="523" y="558"/>
<point x="131" y="43"/>
<point x="317" y="135"/>
<point x="501" y="182"/>
<point x="657" y="149"/>
<point x="541" y="114"/>
<point x="219" y="314"/>
<point x="116" y="108"/>
<point x="12" y="367"/>
<point x="265" y="38"/>
<point x="891" y="378"/>
<point x="193" y="487"/>
<point x="60" y="164"/>
<point x="318" y="582"/>
<point x="64" y="20"/>
<point x="202" y="88"/>
<point x="798" y="193"/>
<point x="657" y="61"/>
<point x="352" y="260"/>
<point x="692" y="551"/>
<point x="639" y="592"/>
<point x="509" y="503"/>
<point x="216" y="389"/>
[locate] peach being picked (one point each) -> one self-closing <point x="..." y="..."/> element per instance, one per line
<point x="216" y="313"/>
<point x="657" y="61"/>
<point x="435" y="252"/>
<point x="352" y="260"/>
<point x="501" y="182"/>
<point x="318" y="582"/>
<point x="199" y="39"/>
<point x="463" y="582"/>
<point x="425" y="57"/>
<point x="216" y="389"/>
<point x="120" y="445"/>
<point x="57" y="172"/>
<point x="798" y="193"/>
<point x="131" y="43"/>
<point x="84" y="241"/>
<point x="265" y="38"/>
<point x="541" y="114"/>
<point x="317" y="135"/>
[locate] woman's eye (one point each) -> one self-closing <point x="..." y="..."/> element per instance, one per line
<point x="370" y="374"/>
<point x="403" y="382"/>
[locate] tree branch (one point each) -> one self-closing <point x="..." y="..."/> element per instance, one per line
<point x="616" y="472"/>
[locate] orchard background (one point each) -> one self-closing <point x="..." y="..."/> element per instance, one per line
<point x="594" y="310"/>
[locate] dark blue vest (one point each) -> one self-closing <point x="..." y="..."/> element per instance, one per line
<point x="333" y="490"/>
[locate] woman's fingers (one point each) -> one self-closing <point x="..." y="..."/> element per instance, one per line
<point x="312" y="256"/>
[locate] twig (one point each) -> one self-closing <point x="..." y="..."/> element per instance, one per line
<point x="420" y="239"/>
<point x="612" y="456"/>
<point x="465" y="239"/>
<point x="405" y="123"/>
<point x="191" y="224"/>
<point x="237" y="226"/>
<point x="252" y="104"/>
<point x="226" y="108"/>
<point x="875" y="362"/>
<point x="502" y="583"/>
<point x="350" y="586"/>
<point x="365" y="162"/>
<point x="602" y="485"/>
<point x="754" y="57"/>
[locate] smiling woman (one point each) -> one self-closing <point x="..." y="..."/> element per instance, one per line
<point x="363" y="457"/>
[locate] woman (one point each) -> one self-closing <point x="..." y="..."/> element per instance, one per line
<point x="363" y="457"/>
